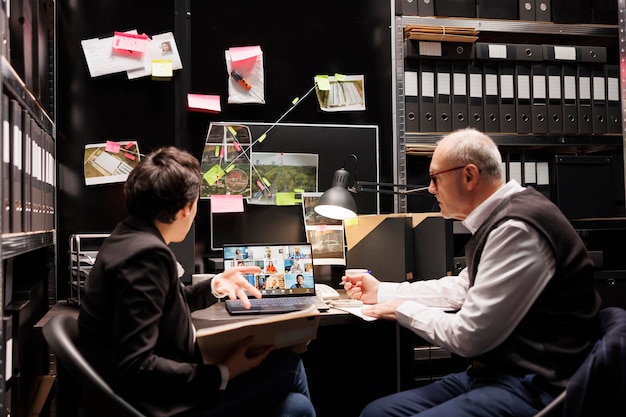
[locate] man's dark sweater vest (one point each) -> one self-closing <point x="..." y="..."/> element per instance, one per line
<point x="558" y="331"/>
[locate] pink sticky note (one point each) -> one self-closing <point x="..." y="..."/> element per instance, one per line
<point x="112" y="147"/>
<point x="130" y="43"/>
<point x="129" y="156"/>
<point x="260" y="184"/>
<point x="227" y="203"/>
<point x="243" y="53"/>
<point x="204" y="103"/>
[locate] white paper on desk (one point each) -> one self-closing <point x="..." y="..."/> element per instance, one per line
<point x="156" y="51"/>
<point x="357" y="312"/>
<point x="101" y="60"/>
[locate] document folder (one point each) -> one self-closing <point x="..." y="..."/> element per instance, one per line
<point x="16" y="166"/>
<point x="426" y="7"/>
<point x="411" y="117"/>
<point x="585" y="118"/>
<point x="555" y="99"/>
<point x="491" y="96"/>
<point x="570" y="99"/>
<point x="406" y="7"/>
<point x="459" y="96"/>
<point x="598" y="99"/>
<point x="543" y="12"/>
<point x="443" y="103"/>
<point x="507" y="97"/>
<point x="613" y="109"/>
<point x="527" y="10"/>
<point x="426" y="96"/>
<point x="476" y="96"/>
<point x="6" y="165"/>
<point x="538" y="99"/>
<point x="523" y="95"/>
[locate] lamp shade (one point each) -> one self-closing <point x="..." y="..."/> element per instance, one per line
<point x="337" y="202"/>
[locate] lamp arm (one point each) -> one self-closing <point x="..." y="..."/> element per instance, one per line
<point x="362" y="186"/>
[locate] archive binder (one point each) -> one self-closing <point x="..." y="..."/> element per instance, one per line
<point x="406" y="7"/>
<point x="26" y="172"/>
<point x="491" y="96"/>
<point x="426" y="96"/>
<point x="613" y="109"/>
<point x="497" y="9"/>
<point x="585" y="118"/>
<point x="555" y="98"/>
<point x="571" y="11"/>
<point x="570" y="99"/>
<point x="455" y="8"/>
<point x="538" y="99"/>
<point x="475" y="106"/>
<point x="411" y="118"/>
<point x="430" y="49"/>
<point x="507" y="97"/>
<point x="543" y="10"/>
<point x="459" y="96"/>
<point x="443" y="100"/>
<point x="598" y="99"/>
<point x="527" y="52"/>
<point x="426" y="7"/>
<point x="523" y="96"/>
<point x="6" y="165"/>
<point x="16" y="166"/>
<point x="526" y="10"/>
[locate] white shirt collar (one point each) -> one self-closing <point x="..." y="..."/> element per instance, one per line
<point x="476" y="218"/>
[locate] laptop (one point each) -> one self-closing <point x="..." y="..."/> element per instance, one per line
<point x="286" y="280"/>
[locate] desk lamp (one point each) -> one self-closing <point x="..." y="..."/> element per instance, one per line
<point x="337" y="202"/>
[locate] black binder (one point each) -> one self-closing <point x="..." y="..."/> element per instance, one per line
<point x="443" y="99"/>
<point x="543" y="11"/>
<point x="5" y="149"/>
<point x="426" y="7"/>
<point x="538" y="99"/>
<point x="446" y="50"/>
<point x="497" y="9"/>
<point x="570" y="99"/>
<point x="460" y="94"/>
<point x="604" y="12"/>
<point x="598" y="99"/>
<point x="16" y="166"/>
<point x="555" y="98"/>
<point x="406" y="7"/>
<point x="526" y="10"/>
<point x="507" y="97"/>
<point x="571" y="11"/>
<point x="523" y="96"/>
<point x="527" y="52"/>
<point x="26" y="172"/>
<point x="613" y="108"/>
<point x="455" y="8"/>
<point x="411" y="115"/>
<point x="475" y="109"/>
<point x="585" y="118"/>
<point x="491" y="96"/>
<point x="595" y="54"/>
<point x="426" y="97"/>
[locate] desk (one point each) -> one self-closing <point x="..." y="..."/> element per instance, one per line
<point x="349" y="364"/>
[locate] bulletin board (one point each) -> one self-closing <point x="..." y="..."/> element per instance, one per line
<point x="333" y="143"/>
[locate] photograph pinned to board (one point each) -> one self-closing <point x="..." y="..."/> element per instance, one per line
<point x="110" y="162"/>
<point x="325" y="235"/>
<point x="245" y="75"/>
<point x="279" y="178"/>
<point x="225" y="163"/>
<point x="162" y="49"/>
<point x="340" y="92"/>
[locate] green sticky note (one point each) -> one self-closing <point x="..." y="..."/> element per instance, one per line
<point x="232" y="131"/>
<point x="214" y="174"/>
<point x="265" y="181"/>
<point x="229" y="168"/>
<point x="340" y="77"/>
<point x="262" y="137"/>
<point x="322" y="82"/>
<point x="285" y="199"/>
<point x="352" y="221"/>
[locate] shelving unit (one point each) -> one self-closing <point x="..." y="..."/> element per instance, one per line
<point x="504" y="31"/>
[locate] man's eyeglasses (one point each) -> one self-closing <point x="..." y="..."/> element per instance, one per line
<point x="433" y="176"/>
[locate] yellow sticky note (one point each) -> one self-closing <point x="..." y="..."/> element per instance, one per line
<point x="340" y="77"/>
<point x="285" y="199"/>
<point x="352" y="221"/>
<point x="162" y="68"/>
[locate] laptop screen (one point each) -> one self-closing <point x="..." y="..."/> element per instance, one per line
<point x="286" y="269"/>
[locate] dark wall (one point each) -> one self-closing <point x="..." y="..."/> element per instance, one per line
<point x="349" y="37"/>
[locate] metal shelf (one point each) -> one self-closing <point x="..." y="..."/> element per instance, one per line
<point x="14" y="244"/>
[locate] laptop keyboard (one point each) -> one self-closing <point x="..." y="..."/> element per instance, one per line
<point x="275" y="302"/>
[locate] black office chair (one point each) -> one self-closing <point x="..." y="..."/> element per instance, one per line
<point x="598" y="387"/>
<point x="88" y="391"/>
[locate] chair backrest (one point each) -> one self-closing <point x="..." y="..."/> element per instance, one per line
<point x="96" y="397"/>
